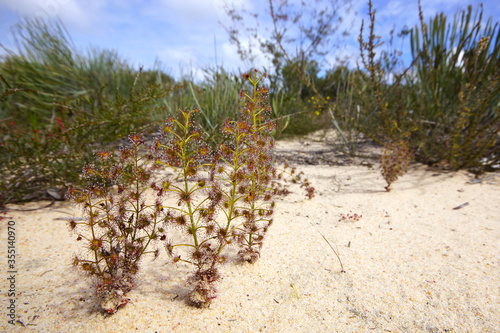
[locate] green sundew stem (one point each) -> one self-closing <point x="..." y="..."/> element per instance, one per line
<point x="136" y="208"/>
<point x="194" y="225"/>
<point x="185" y="162"/>
<point x="91" y="215"/>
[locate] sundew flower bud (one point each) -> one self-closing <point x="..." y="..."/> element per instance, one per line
<point x="144" y="175"/>
<point x="225" y="150"/>
<point x="136" y="139"/>
<point x="203" y="151"/>
<point x="196" y="135"/>
<point x="126" y="153"/>
<point x="190" y="171"/>
<point x="242" y="125"/>
<point x="103" y="154"/>
<point x="156" y="145"/>
<point x="95" y="244"/>
<point x="228" y="128"/>
<point x="167" y="128"/>
<point x="89" y="171"/>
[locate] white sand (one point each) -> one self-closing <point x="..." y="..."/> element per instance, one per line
<point x="413" y="264"/>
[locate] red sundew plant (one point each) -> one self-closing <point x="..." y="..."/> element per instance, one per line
<point x="181" y="150"/>
<point x="252" y="172"/>
<point x="350" y="217"/>
<point x="216" y="199"/>
<point x="294" y="178"/>
<point x="120" y="227"/>
<point x="395" y="160"/>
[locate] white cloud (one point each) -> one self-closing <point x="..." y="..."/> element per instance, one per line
<point x="177" y="54"/>
<point x="232" y="59"/>
<point x="181" y="32"/>
<point x="188" y="14"/>
<point x="193" y="9"/>
<point x="70" y="11"/>
<point x="183" y="61"/>
<point x="229" y="56"/>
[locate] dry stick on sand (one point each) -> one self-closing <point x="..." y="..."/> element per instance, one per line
<point x="338" y="257"/>
<point x="33" y="209"/>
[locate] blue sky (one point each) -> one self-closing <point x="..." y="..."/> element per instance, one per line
<point x="181" y="33"/>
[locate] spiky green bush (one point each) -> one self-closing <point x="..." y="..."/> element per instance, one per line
<point x="457" y="80"/>
<point x="447" y="101"/>
<point x="70" y="105"/>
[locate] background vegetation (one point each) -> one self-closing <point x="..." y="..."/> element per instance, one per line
<point x="58" y="105"/>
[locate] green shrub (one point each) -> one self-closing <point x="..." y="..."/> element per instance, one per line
<point x="447" y="101"/>
<point x="457" y="77"/>
<point x="69" y="106"/>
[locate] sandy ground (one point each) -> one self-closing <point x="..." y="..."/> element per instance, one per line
<point x="412" y="263"/>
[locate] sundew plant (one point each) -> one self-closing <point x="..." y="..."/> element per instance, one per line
<point x="216" y="197"/>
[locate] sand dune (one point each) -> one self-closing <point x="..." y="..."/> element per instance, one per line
<point x="412" y="263"/>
